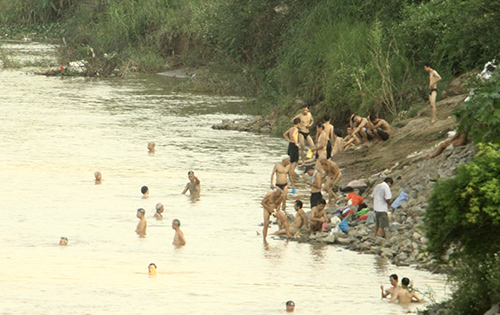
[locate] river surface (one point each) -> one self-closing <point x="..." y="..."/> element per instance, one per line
<point x="55" y="133"/>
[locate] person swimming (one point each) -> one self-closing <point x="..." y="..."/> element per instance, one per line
<point x="63" y="241"/>
<point x="145" y="191"/>
<point x="152" y="269"/>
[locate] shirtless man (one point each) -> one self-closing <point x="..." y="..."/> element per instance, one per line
<point x="306" y="121"/>
<point x="434" y="78"/>
<point x="292" y="136"/>
<point x="378" y="128"/>
<point x="331" y="136"/>
<point x="159" y="210"/>
<point x="271" y="204"/>
<point x="179" y="239"/>
<point x="333" y="175"/>
<point x="315" y="184"/>
<point x="193" y="185"/>
<point x="300" y="220"/>
<point x="282" y="171"/>
<point x="63" y="241"/>
<point x="337" y="143"/>
<point x="358" y="132"/>
<point x="151" y="147"/>
<point x="141" y="227"/>
<point x="317" y="217"/>
<point x="321" y="141"/>
<point x="393" y="279"/>
<point x="402" y="295"/>
<point x="458" y="140"/>
<point x="152" y="269"/>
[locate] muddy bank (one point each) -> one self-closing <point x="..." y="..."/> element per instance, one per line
<point x="257" y="124"/>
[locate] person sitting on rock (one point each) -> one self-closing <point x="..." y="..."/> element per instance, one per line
<point x="378" y="128"/>
<point x="317" y="217"/>
<point x="300" y="220"/>
<point x="457" y="140"/>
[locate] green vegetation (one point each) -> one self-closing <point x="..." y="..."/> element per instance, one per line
<point x="462" y="220"/>
<point x="482" y="112"/>
<point x="339" y="56"/>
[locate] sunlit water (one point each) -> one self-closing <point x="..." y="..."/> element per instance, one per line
<point x="55" y="133"/>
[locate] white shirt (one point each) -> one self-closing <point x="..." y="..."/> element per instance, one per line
<point x="381" y="193"/>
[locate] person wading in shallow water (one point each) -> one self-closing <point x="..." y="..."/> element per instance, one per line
<point x="271" y="204"/>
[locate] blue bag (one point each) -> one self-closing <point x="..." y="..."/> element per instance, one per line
<point x="344" y="226"/>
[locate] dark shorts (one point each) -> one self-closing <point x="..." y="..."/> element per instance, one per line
<point x="293" y="152"/>
<point x="384" y="135"/>
<point x="368" y="137"/>
<point x="328" y="150"/>
<point x="282" y="186"/>
<point x="381" y="219"/>
<point x="432" y="90"/>
<point x="316" y="198"/>
<point x="305" y="134"/>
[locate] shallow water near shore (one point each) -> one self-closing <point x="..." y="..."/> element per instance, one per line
<point x="56" y="133"/>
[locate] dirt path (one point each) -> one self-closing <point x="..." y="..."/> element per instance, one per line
<point x="410" y="136"/>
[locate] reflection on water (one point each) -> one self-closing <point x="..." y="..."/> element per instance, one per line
<point x="55" y="133"/>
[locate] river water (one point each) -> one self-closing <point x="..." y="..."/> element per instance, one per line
<point x="55" y="133"/>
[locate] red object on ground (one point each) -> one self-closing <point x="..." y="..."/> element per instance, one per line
<point x="363" y="217"/>
<point x="356" y="199"/>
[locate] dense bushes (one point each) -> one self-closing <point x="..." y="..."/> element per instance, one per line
<point x="462" y="222"/>
<point x="340" y="56"/>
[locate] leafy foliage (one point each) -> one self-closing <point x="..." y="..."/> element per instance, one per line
<point x="462" y="221"/>
<point x="482" y="113"/>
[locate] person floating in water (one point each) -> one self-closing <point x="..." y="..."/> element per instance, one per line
<point x="141" y="227"/>
<point x="145" y="192"/>
<point x="151" y="147"/>
<point x="193" y="185"/>
<point x="98" y="177"/>
<point x="403" y="295"/>
<point x="159" y="210"/>
<point x="152" y="269"/>
<point x="179" y="239"/>
<point x="434" y="78"/>
<point x="393" y="279"/>
<point x="63" y="241"/>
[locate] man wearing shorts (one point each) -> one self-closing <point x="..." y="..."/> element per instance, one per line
<point x="434" y="78"/>
<point x="315" y="184"/>
<point x="379" y="128"/>
<point x="381" y="199"/>
<point x="282" y="172"/>
<point x="306" y="121"/>
<point x="292" y="136"/>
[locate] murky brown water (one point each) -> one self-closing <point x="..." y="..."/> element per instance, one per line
<point x="55" y="133"/>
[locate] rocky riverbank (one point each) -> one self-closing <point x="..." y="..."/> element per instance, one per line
<point x="405" y="246"/>
<point x="257" y="124"/>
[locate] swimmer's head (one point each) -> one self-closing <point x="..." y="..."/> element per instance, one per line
<point x="285" y="159"/>
<point x="159" y="208"/>
<point x="290" y="306"/>
<point x="176" y="222"/>
<point x="152" y="269"/>
<point x="405" y="282"/>
<point x="298" y="204"/>
<point x="98" y="175"/>
<point x="393" y="279"/>
<point x="144" y="190"/>
<point x="191" y="175"/>
<point x="151" y="146"/>
<point x="141" y="212"/>
<point x="63" y="241"/>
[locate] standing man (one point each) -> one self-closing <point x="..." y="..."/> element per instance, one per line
<point x="381" y="200"/>
<point x="193" y="185"/>
<point x="292" y="136"/>
<point x="282" y="171"/>
<point x="321" y="141"/>
<point x="315" y="184"/>
<point x="306" y="121"/>
<point x="329" y="132"/>
<point x="434" y="78"/>
<point x="271" y="204"/>
<point x="332" y="175"/>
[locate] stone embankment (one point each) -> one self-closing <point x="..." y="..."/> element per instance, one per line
<point x="257" y="124"/>
<point x="405" y="246"/>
